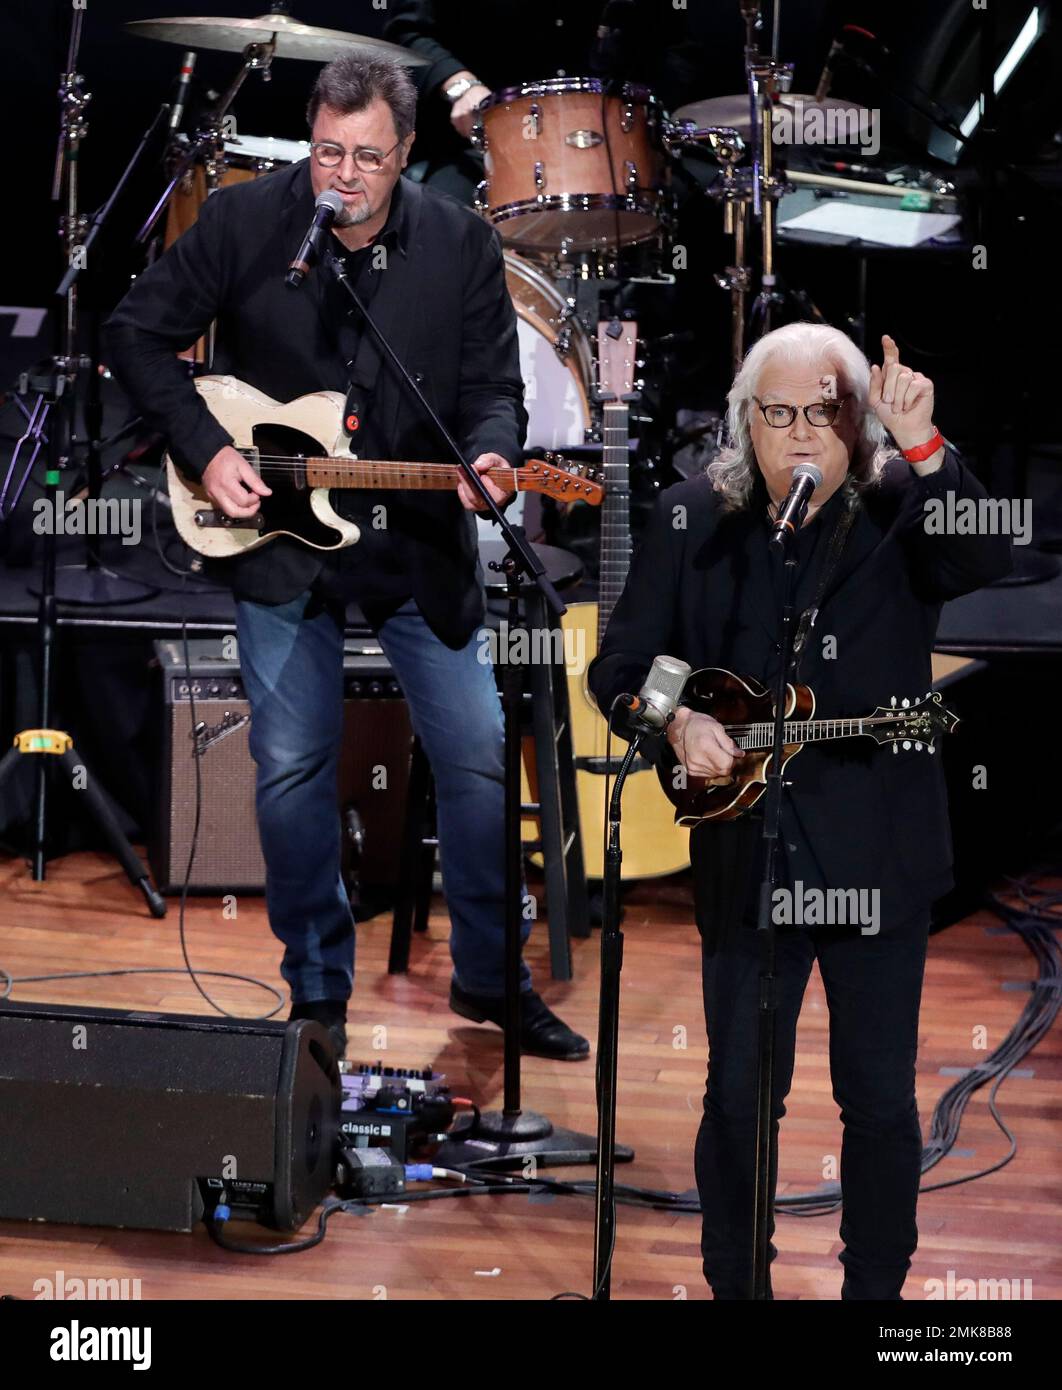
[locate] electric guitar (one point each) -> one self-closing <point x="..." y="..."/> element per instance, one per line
<point x="301" y="450"/>
<point x="746" y="711"/>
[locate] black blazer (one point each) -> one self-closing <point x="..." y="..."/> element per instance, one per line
<point x="441" y="301"/>
<point x="703" y="592"/>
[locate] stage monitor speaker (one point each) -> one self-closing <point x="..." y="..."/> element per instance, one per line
<point x="228" y="856"/>
<point x="149" y="1120"/>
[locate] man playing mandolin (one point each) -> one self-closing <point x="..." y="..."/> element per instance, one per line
<point x="706" y="587"/>
<point x="433" y="277"/>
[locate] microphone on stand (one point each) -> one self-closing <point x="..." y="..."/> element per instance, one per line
<point x="822" y="91"/>
<point x="653" y="708"/>
<point x="184" y="81"/>
<point x="328" y="206"/>
<point x="806" y="478"/>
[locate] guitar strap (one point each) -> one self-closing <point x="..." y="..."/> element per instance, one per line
<point x="841" y="528"/>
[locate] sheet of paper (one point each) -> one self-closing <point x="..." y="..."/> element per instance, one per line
<point x="885" y="226"/>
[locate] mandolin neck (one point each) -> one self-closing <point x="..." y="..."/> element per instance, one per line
<point x="760" y="737"/>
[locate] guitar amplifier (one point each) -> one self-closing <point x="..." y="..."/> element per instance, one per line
<point x="228" y="857"/>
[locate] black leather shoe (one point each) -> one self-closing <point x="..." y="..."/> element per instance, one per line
<point x="332" y="1014"/>
<point x="542" y="1033"/>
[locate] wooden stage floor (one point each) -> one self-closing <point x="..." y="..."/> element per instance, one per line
<point x="1006" y="1226"/>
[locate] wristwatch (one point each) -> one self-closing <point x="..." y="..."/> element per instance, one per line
<point x="456" y="90"/>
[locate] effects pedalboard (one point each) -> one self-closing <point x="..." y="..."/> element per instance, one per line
<point x="406" y="1110"/>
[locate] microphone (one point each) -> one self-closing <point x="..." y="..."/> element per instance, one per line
<point x="184" y="81"/>
<point x="653" y="708"/>
<point x="822" y="91"/>
<point x="328" y="206"/>
<point x="806" y="478"/>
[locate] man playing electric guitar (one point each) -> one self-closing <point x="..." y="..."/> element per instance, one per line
<point x="432" y="275"/>
<point x="705" y="587"/>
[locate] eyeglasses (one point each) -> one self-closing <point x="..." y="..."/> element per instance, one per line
<point x="368" y="160"/>
<point x="821" y="414"/>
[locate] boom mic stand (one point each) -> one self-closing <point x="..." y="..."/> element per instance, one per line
<point x="499" y="1139"/>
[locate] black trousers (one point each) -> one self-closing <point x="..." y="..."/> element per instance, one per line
<point x="873" y="990"/>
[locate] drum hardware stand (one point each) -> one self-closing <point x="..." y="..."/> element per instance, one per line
<point x="768" y="79"/>
<point x="208" y="147"/>
<point x="57" y="406"/>
<point x="506" y="1138"/>
<point x="57" y="386"/>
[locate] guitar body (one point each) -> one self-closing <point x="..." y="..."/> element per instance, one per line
<point x="731" y="700"/>
<point x="309" y="426"/>
<point x="660" y="846"/>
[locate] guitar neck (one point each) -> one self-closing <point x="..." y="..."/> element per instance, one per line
<point x="396" y="473"/>
<point x="615" y="553"/>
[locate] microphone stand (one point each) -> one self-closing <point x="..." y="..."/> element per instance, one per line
<point x="608" y="1035"/>
<point x="498" y="1139"/>
<point x="766" y="1143"/>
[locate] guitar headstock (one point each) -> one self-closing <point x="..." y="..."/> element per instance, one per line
<point x="617" y="352"/>
<point x="562" y="480"/>
<point x="912" y="723"/>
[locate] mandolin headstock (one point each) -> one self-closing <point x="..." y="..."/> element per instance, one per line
<point x="912" y="723"/>
<point x="556" y="477"/>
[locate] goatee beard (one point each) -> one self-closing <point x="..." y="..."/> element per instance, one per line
<point x="352" y="217"/>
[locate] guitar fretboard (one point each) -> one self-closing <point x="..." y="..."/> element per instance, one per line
<point x="395" y="473"/>
<point x="615" y="513"/>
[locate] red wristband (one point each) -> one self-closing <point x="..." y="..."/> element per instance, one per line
<point x="924" y="451"/>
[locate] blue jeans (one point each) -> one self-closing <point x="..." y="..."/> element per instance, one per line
<point x="291" y="658"/>
<point x="873" y="989"/>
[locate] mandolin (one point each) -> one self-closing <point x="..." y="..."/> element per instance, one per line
<point x="301" y="450"/>
<point x="746" y="711"/>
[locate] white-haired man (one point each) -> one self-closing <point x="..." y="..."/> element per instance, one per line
<point x="705" y="586"/>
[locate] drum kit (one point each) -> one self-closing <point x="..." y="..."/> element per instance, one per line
<point x="578" y="183"/>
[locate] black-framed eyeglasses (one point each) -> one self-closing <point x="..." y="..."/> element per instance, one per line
<point x="821" y="414"/>
<point x="368" y="160"/>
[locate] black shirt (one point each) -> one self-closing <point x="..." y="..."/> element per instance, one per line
<point x="368" y="572"/>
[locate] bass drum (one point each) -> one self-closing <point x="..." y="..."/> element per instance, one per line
<point x="556" y="364"/>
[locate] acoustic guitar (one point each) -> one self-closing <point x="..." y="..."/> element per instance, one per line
<point x="660" y="846"/>
<point x="301" y="450"/>
<point x="746" y="711"/>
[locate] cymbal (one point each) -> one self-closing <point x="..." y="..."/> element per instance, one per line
<point x="293" y="40"/>
<point x="734" y="111"/>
